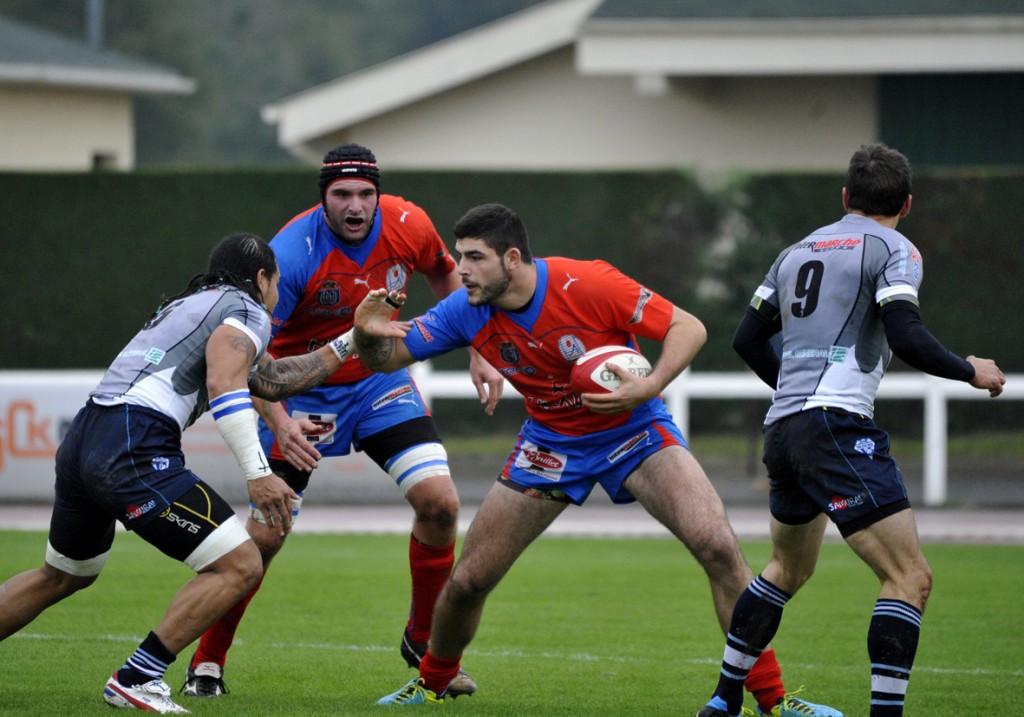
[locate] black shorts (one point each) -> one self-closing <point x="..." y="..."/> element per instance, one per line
<point x="832" y="461"/>
<point x="125" y="463"/>
<point x="381" y="447"/>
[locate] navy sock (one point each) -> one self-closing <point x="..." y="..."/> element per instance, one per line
<point x="755" y="620"/>
<point x="149" y="662"/>
<point x="892" y="643"/>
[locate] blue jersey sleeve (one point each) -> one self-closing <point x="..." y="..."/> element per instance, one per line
<point x="293" y="249"/>
<point x="450" y="325"/>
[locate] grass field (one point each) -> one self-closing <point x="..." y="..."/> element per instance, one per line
<point x="579" y="627"/>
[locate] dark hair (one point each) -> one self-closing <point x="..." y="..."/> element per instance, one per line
<point x="877" y="181"/>
<point x="348" y="160"/>
<point x="234" y="261"/>
<point x="498" y="226"/>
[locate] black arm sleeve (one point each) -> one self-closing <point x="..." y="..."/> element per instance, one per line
<point x="752" y="341"/>
<point x="911" y="341"/>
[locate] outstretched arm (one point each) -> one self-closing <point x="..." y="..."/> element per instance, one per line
<point x="378" y="339"/>
<point x="912" y="342"/>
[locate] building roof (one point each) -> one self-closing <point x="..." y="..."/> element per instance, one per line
<point x="31" y="56"/>
<point x="706" y="9"/>
<point x="653" y="41"/>
<point x="656" y="39"/>
<point x="420" y="74"/>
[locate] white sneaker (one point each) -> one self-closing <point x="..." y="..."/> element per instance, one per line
<point x="154" y="696"/>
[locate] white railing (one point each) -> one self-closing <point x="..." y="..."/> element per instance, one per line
<point x="935" y="392"/>
<point x="36" y="406"/>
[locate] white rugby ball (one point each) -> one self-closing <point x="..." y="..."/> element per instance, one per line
<point x="591" y="375"/>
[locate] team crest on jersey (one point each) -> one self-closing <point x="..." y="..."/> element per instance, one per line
<point x="329" y="293"/>
<point x="508" y="352"/>
<point x="397" y="277"/>
<point x="160" y="463"/>
<point x="571" y="347"/>
<point x="638" y="313"/>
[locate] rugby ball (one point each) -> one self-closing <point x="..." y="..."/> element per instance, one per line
<point x="590" y="374"/>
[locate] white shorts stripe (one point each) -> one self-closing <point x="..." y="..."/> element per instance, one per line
<point x="417" y="464"/>
<point x="228" y="536"/>
<point x="81" y="568"/>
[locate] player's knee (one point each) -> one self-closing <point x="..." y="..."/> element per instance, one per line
<point x="465" y="589"/>
<point x="718" y="552"/>
<point x="922" y="582"/>
<point x="243" y="567"/>
<point x="435" y="502"/>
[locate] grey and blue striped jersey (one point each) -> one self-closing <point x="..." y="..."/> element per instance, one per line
<point x="829" y="288"/>
<point x="164" y="366"/>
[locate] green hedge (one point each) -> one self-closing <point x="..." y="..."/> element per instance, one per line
<point x="86" y="258"/>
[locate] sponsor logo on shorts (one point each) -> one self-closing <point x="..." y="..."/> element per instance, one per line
<point x="629" y="445"/>
<point x="400" y="393"/>
<point x="181" y="522"/>
<point x="865" y="446"/>
<point x="841" y="503"/>
<point x="541" y="461"/>
<point x="137" y="511"/>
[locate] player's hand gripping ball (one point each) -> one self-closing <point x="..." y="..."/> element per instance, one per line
<point x="590" y="374"/>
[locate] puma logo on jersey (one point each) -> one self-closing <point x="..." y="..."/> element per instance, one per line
<point x="401" y="219"/>
<point x="364" y="282"/>
<point x="309" y="244"/>
<point x="565" y="286"/>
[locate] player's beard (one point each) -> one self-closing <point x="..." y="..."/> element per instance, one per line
<point x="489" y="292"/>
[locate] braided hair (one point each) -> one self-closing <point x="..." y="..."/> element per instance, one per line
<point x="235" y="261"/>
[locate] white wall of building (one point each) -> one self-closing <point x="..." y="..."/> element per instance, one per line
<point x="54" y="129"/>
<point x="542" y="115"/>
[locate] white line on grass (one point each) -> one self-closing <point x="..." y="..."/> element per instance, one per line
<point x="569" y="657"/>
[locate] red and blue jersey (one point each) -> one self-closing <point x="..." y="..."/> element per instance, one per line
<point x="323" y="279"/>
<point x="578" y="305"/>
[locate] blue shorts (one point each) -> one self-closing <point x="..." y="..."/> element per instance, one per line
<point x="349" y="412"/>
<point x="551" y="465"/>
<point x="115" y="463"/>
<point x="828" y="460"/>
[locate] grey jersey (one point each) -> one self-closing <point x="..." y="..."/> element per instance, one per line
<point x="829" y="288"/>
<point x="164" y="366"/>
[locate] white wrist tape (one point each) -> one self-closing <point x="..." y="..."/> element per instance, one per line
<point x="235" y="418"/>
<point x="342" y="346"/>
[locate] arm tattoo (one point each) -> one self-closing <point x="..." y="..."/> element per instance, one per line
<point x="375" y="351"/>
<point x="281" y="378"/>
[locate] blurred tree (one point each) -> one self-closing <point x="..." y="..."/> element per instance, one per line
<point x="248" y="53"/>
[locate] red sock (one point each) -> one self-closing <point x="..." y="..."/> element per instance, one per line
<point x="430" y="568"/>
<point x="764" y="681"/>
<point x="216" y="641"/>
<point x="437" y="672"/>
